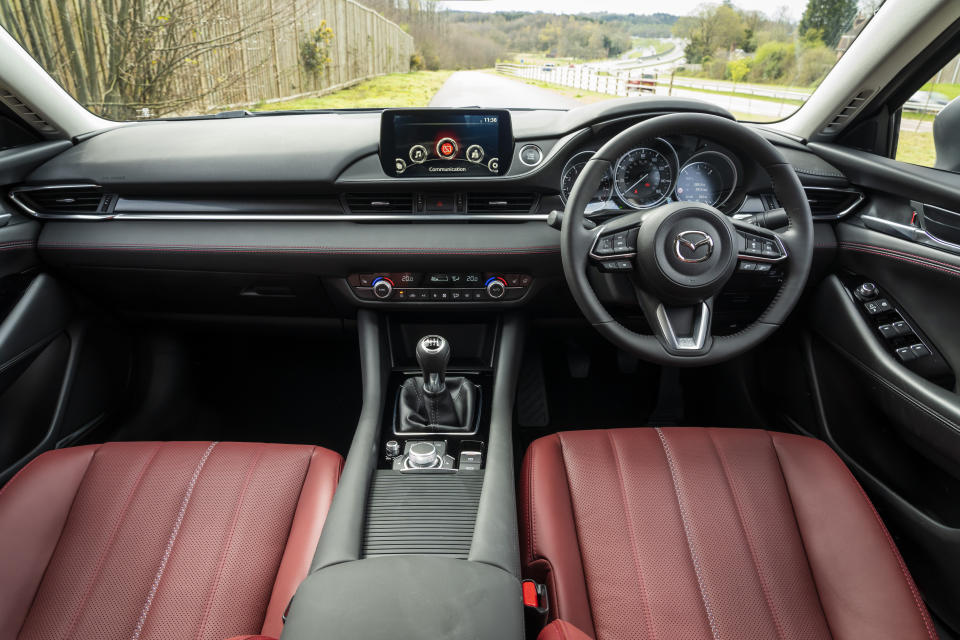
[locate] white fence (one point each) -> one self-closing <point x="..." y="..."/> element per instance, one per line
<point x="634" y="82"/>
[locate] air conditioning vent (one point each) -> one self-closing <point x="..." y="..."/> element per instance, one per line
<point x="67" y="200"/>
<point x="843" y="116"/>
<point x="493" y="203"/>
<point x="828" y="203"/>
<point x="30" y="116"/>
<point x="374" y="203"/>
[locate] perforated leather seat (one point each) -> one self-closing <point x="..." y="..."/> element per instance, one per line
<point x="709" y="533"/>
<point x="160" y="540"/>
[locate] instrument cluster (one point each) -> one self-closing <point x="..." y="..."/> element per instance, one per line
<point x="684" y="168"/>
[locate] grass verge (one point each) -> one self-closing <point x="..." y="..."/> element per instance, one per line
<point x="414" y="89"/>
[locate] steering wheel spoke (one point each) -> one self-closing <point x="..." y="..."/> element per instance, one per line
<point x="614" y="244"/>
<point x="683" y="330"/>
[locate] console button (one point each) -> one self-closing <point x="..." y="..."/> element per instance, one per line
<point x="496" y="288"/>
<point x="441" y="203"/>
<point x="531" y="155"/>
<point x="877" y="306"/>
<point x="382" y="288"/>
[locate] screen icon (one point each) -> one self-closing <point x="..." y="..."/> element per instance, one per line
<point x="494" y="165"/>
<point x="400" y="165"/>
<point x="447" y="148"/>
<point x="418" y="153"/>
<point x="475" y="153"/>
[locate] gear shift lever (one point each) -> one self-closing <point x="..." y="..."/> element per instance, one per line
<point x="434" y="403"/>
<point x="433" y="354"/>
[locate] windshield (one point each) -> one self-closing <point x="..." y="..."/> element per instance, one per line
<point x="186" y="58"/>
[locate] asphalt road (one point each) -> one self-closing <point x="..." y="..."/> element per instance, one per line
<point x="481" y="89"/>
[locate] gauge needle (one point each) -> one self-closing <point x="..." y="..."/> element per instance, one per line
<point x="630" y="188"/>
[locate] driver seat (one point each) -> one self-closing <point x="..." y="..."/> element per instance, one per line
<point x="709" y="533"/>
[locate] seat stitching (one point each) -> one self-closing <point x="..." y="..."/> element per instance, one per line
<point x="227" y="542"/>
<point x="793" y="509"/>
<point x="113" y="537"/>
<point x="60" y="537"/>
<point x="694" y="558"/>
<point x="647" y="616"/>
<point x="576" y="532"/>
<point x="170" y="542"/>
<point x="746" y="534"/>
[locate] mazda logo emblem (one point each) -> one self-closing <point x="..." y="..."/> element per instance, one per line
<point x="689" y="246"/>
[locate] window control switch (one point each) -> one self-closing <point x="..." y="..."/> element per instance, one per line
<point x="888" y="331"/>
<point x="919" y="350"/>
<point x="906" y="354"/>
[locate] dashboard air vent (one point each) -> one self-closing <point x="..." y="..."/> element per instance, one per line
<point x="493" y="203"/>
<point x="68" y="200"/>
<point x="374" y="203"/>
<point x="843" y="116"/>
<point x="829" y="203"/>
<point x="30" y="116"/>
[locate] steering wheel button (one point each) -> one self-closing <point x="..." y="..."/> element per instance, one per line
<point x="748" y="266"/>
<point x="605" y="246"/>
<point x="763" y="267"/>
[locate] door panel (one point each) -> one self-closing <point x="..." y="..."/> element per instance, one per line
<point x="893" y="416"/>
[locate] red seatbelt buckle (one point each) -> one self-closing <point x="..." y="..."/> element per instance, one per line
<point x="535" y="596"/>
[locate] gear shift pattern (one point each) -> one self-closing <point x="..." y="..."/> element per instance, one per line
<point x="433" y="354"/>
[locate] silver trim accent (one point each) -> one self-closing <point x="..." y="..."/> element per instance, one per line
<point x="700" y="330"/>
<point x="14" y="195"/>
<point x="860" y="198"/>
<point x="908" y="232"/>
<point x="539" y="155"/>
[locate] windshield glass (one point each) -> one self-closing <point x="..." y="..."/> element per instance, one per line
<point x="185" y="58"/>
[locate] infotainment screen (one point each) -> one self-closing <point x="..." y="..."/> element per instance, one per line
<point x="445" y="143"/>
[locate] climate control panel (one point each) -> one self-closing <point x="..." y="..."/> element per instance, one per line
<point x="409" y="286"/>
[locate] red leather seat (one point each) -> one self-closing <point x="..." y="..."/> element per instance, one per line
<point x="709" y="533"/>
<point x="144" y="540"/>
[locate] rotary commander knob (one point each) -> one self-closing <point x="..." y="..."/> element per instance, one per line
<point x="496" y="287"/>
<point x="382" y="288"/>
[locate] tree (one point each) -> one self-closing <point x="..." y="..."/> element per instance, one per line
<point x="711" y="29"/>
<point x="833" y="18"/>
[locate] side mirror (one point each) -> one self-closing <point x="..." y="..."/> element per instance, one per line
<point x="946" y="137"/>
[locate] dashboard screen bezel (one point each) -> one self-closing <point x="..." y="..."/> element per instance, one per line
<point x="387" y="150"/>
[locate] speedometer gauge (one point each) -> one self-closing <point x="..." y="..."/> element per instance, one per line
<point x="572" y="171"/>
<point x="644" y="177"/>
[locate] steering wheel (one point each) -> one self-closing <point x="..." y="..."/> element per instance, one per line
<point x="679" y="256"/>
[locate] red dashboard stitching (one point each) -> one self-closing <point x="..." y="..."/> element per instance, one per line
<point x="884" y="254"/>
<point x="899" y="252"/>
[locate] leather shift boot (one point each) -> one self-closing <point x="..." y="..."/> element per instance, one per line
<point x="451" y="411"/>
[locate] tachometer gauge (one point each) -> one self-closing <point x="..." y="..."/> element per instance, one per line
<point x="644" y="177"/>
<point x="572" y="171"/>
<point x="708" y="177"/>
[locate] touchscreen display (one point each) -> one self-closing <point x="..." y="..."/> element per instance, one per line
<point x="439" y="143"/>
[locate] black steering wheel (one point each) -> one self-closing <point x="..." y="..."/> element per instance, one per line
<point x="680" y="255"/>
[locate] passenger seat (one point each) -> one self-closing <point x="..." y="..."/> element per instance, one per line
<point x="149" y="540"/>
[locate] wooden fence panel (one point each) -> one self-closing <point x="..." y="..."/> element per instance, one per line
<point x="235" y="53"/>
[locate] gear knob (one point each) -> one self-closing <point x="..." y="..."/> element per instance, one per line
<point x="433" y="354"/>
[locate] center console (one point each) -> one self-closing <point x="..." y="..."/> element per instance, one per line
<point x="421" y="538"/>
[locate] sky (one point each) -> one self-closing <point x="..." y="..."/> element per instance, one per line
<point x="676" y="7"/>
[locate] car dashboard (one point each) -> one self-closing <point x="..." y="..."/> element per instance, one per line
<point x="298" y="215"/>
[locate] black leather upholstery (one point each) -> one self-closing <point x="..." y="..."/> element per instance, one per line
<point x="452" y="410"/>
